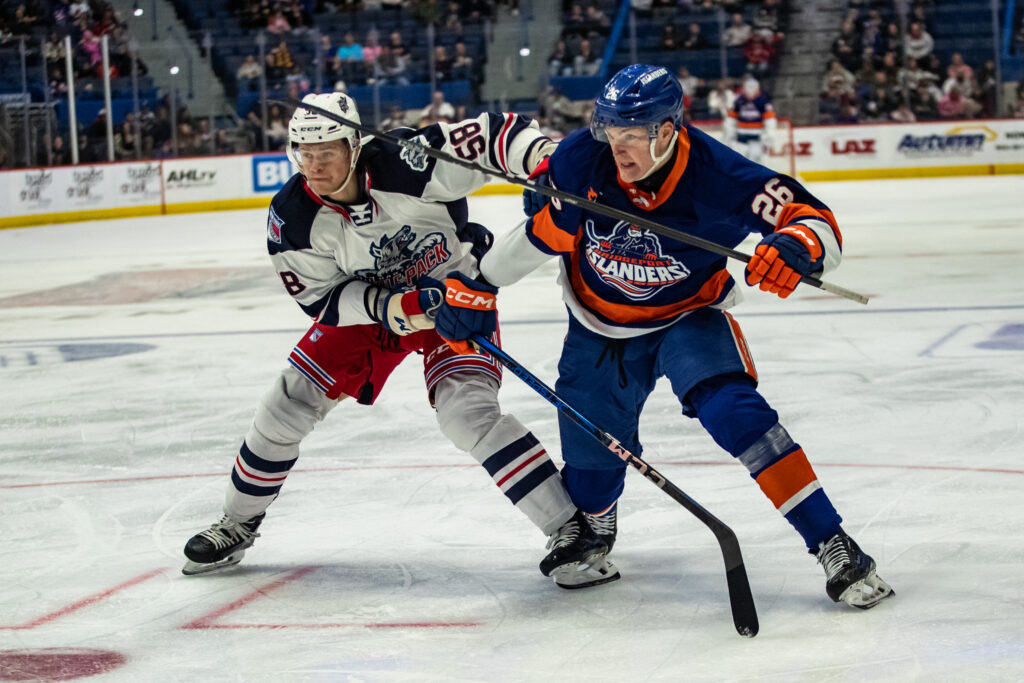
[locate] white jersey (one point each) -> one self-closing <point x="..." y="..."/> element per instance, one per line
<point x="414" y="222"/>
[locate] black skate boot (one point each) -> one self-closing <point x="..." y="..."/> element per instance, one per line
<point x="850" y="573"/>
<point x="222" y="545"/>
<point x="578" y="557"/>
<point x="605" y="525"/>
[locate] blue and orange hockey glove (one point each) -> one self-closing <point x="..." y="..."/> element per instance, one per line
<point x="469" y="308"/>
<point x="533" y="202"/>
<point x="782" y="258"/>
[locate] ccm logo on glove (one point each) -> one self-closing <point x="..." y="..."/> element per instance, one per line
<point x="461" y="296"/>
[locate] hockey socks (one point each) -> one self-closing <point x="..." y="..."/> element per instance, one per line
<point x="739" y="420"/>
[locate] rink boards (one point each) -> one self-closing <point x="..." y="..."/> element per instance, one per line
<point x="818" y="153"/>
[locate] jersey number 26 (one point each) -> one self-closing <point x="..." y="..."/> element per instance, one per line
<point x="770" y="202"/>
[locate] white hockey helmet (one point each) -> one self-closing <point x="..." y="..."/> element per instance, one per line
<point x="751" y="88"/>
<point x="311" y="127"/>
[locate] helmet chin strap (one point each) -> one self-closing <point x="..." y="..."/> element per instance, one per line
<point x="659" y="160"/>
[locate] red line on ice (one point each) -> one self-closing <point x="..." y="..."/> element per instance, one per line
<point x="85" y="602"/>
<point x="662" y="463"/>
<point x="208" y="621"/>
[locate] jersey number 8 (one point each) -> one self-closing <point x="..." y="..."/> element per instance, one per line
<point x="770" y="202"/>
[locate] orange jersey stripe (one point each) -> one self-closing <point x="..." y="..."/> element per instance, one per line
<point x="554" y="237"/>
<point x="629" y="313"/>
<point x="741" y="346"/>
<point x="751" y="124"/>
<point x="794" y="211"/>
<point x="659" y="197"/>
<point x="787" y="478"/>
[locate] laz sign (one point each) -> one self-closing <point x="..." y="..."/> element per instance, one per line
<point x="853" y="147"/>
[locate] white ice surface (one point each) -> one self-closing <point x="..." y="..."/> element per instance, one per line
<point x="390" y="556"/>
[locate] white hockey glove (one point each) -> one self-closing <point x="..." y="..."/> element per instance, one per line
<point x="403" y="313"/>
<point x="539" y="153"/>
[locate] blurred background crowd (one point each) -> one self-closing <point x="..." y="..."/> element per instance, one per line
<point x="197" y="77"/>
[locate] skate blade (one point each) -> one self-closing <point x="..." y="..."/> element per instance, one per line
<point x="867" y="592"/>
<point x="593" y="571"/>
<point x="192" y="568"/>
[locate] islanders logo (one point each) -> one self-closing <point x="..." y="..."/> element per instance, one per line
<point x="401" y="259"/>
<point x="630" y="259"/>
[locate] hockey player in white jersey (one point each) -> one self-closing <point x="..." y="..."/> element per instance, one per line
<point x="359" y="238"/>
<point x="750" y="125"/>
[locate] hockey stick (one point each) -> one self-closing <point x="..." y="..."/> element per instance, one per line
<point x="594" y="207"/>
<point x="744" y="613"/>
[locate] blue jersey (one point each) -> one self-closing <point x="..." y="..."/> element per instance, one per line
<point x="621" y="280"/>
<point x="750" y="114"/>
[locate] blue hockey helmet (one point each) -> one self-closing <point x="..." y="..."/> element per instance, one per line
<point x="639" y="95"/>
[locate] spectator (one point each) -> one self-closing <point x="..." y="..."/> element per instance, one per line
<point x="838" y="75"/>
<point x="903" y="114"/>
<point x="348" y="60"/>
<point x="847" y="47"/>
<point x="586" y="63"/>
<point x="125" y="143"/>
<point x="758" y="54"/>
<point x="59" y="152"/>
<point x="560" y="61"/>
<point x="721" y="99"/>
<point x="248" y="72"/>
<point x="397" y="46"/>
<point x="957" y="68"/>
<point x="462" y="63"/>
<point x="954" y="105"/>
<point x="279" y="61"/>
<point x="695" y="40"/>
<point x="396" y="119"/>
<point x="278" y="23"/>
<point x="688" y="81"/>
<point x="919" y="43"/>
<point x="866" y="73"/>
<point x="371" y="49"/>
<point x="349" y="50"/>
<point x="923" y="103"/>
<point x="892" y="40"/>
<point x="985" y="89"/>
<point x="668" y="40"/>
<point x="442" y="64"/>
<point x="833" y="102"/>
<point x="277" y="127"/>
<point x="738" y="32"/>
<point x="391" y="67"/>
<point x="437" y="110"/>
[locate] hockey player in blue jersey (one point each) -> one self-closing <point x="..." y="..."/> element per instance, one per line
<point x="751" y="123"/>
<point x="642" y="306"/>
<point x="358" y="238"/>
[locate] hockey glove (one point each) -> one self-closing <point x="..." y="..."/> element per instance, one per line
<point x="533" y="202"/>
<point x="469" y="308"/>
<point x="403" y="313"/>
<point x="782" y="258"/>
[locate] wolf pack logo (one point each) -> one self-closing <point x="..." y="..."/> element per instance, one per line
<point x="274" y="225"/>
<point x="630" y="259"/>
<point x="402" y="258"/>
<point x="413" y="154"/>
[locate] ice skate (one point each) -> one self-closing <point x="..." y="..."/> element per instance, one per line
<point x="220" y="546"/>
<point x="605" y="524"/>
<point x="850" y="573"/>
<point x="578" y="557"/>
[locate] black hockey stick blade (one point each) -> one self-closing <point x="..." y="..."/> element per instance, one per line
<point x="741" y="600"/>
<point x="586" y="204"/>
